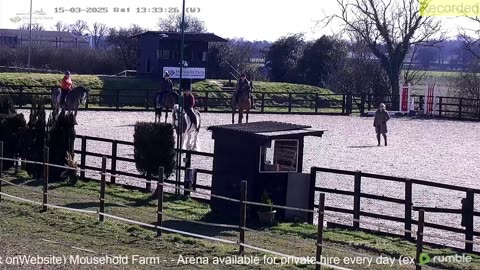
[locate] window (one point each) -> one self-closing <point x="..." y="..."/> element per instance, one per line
<point x="163" y="54"/>
<point x="279" y="156"/>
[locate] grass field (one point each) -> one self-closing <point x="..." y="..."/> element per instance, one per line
<point x="26" y="231"/>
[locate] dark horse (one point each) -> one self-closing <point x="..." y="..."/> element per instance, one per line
<point x="168" y="102"/>
<point x="243" y="103"/>
<point x="75" y="97"/>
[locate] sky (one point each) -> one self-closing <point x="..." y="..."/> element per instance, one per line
<point x="249" y="19"/>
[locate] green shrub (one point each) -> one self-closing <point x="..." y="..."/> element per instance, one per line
<point x="12" y="127"/>
<point x="266" y="200"/>
<point x="60" y="140"/>
<point x="154" y="147"/>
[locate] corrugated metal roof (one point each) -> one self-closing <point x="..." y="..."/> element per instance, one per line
<point x="42" y="35"/>
<point x="205" y="37"/>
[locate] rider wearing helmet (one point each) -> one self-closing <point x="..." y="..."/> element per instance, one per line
<point x="188" y="100"/>
<point x="66" y="87"/>
<point x="166" y="86"/>
<point x="243" y="86"/>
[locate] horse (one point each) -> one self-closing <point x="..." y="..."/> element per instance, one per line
<point x="243" y="104"/>
<point x="74" y="98"/>
<point x="168" y="101"/>
<point x="189" y="129"/>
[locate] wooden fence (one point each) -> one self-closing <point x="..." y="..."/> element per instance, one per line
<point x="206" y="101"/>
<point x="266" y="102"/>
<point x="467" y="212"/>
<point x="114" y="157"/>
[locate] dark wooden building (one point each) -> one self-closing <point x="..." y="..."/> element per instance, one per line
<point x="269" y="156"/>
<point x="160" y="51"/>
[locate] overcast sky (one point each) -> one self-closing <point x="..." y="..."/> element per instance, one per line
<point x="250" y="19"/>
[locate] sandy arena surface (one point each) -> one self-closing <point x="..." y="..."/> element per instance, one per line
<point x="432" y="150"/>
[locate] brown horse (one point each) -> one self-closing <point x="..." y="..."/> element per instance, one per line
<point x="168" y="102"/>
<point x="243" y="104"/>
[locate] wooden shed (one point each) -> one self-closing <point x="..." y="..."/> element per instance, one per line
<point x="269" y="156"/>
<point x="160" y="51"/>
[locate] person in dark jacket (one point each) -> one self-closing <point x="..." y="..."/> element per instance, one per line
<point x="166" y="86"/>
<point x="380" y="123"/>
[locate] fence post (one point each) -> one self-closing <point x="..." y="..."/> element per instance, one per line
<point x="290" y="102"/>
<point x="357" y="199"/>
<point x="101" y="217"/>
<point x="440" y="103"/>
<point x="160" y="201"/>
<point x="263" y="103"/>
<point x="408" y="208"/>
<point x="460" y="109"/>
<point x="20" y="98"/>
<point x="86" y="101"/>
<point x="117" y="99"/>
<point x="83" y="157"/>
<point x="243" y="216"/>
<point x="1" y="167"/>
<point x="113" y="162"/>
<point x="369" y="101"/>
<point x="421" y="221"/>
<point x="46" y="160"/>
<point x="316" y="102"/>
<point x="321" y="214"/>
<point x="344" y="103"/>
<point x="205" y="103"/>
<point x="468" y="219"/>
<point x="147" y="100"/>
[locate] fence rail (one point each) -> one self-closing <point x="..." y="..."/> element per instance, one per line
<point x="159" y="227"/>
<point x="467" y="212"/>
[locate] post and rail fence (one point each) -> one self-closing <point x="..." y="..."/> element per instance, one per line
<point x="266" y="102"/>
<point x="159" y="227"/>
<point x="468" y="211"/>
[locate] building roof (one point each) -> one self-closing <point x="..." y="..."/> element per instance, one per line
<point x="42" y="35"/>
<point x="204" y="37"/>
<point x="268" y="129"/>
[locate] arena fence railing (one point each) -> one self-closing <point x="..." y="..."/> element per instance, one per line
<point x="321" y="210"/>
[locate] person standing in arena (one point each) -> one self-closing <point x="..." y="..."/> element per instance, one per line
<point x="380" y="123"/>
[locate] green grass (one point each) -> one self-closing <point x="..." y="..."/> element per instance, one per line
<point x="90" y="81"/>
<point x="23" y="231"/>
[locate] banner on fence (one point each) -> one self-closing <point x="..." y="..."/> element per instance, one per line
<point x="430" y="99"/>
<point x="188" y="73"/>
<point x="405" y="97"/>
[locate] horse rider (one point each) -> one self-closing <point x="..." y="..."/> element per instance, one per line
<point x="166" y="86"/>
<point x="188" y="104"/>
<point x="243" y="86"/>
<point x="66" y="87"/>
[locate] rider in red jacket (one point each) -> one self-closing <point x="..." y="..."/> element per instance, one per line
<point x="66" y="87"/>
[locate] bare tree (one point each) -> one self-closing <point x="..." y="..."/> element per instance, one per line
<point x="173" y="23"/>
<point x="389" y="28"/>
<point x="79" y="28"/>
<point x="124" y="46"/>
<point x="411" y="75"/>
<point x="35" y="27"/>
<point x="61" y="27"/>
<point x="98" y="31"/>
<point x="472" y="43"/>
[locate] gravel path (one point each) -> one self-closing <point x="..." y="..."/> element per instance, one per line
<point x="432" y="150"/>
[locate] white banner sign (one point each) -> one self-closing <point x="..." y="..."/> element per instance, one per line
<point x="188" y="73"/>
